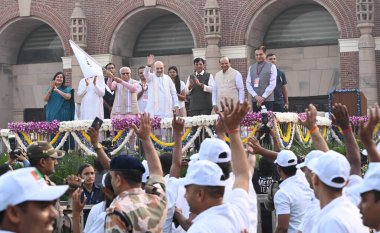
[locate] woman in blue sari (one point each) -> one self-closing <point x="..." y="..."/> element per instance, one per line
<point x="60" y="104"/>
<point x="60" y="100"/>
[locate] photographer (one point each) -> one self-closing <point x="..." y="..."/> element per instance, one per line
<point x="18" y="158"/>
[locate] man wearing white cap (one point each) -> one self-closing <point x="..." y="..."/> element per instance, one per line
<point x="27" y="202"/>
<point x="217" y="151"/>
<point x="205" y="183"/>
<point x="293" y="196"/>
<point x="369" y="190"/>
<point x="338" y="214"/>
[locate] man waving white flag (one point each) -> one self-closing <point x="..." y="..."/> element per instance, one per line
<point x="92" y="87"/>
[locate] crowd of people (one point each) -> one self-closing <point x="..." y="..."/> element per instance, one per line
<point x="324" y="193"/>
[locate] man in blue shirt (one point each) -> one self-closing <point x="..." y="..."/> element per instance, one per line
<point x="281" y="102"/>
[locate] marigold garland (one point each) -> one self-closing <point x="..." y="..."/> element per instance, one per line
<point x="55" y="138"/>
<point x="26" y="137"/>
<point x="118" y="135"/>
<point x="245" y="140"/>
<point x="169" y="144"/>
<point x="306" y="138"/>
<point x="288" y="135"/>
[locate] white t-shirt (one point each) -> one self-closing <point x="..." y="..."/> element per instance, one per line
<point x="292" y="198"/>
<point x="96" y="219"/>
<point x="308" y="220"/>
<point x="339" y="216"/>
<point x="230" y="217"/>
<point x="171" y="193"/>
<point x="252" y="201"/>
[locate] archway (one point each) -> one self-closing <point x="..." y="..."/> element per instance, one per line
<point x="26" y="80"/>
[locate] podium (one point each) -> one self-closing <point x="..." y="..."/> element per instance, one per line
<point x="354" y="99"/>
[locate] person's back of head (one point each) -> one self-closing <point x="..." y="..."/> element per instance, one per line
<point x="129" y="169"/>
<point x="286" y="163"/>
<point x="266" y="167"/>
<point x="166" y="162"/>
<point x="205" y="184"/>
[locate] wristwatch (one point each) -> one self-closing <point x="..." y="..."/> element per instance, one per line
<point x="98" y="146"/>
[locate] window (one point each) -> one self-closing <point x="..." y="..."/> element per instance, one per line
<point x="165" y="35"/>
<point x="305" y="25"/>
<point x="41" y="46"/>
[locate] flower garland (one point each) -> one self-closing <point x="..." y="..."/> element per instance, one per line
<point x="26" y="137"/>
<point x="81" y="145"/>
<point x="35" y="127"/>
<point x="245" y="140"/>
<point x="284" y="144"/>
<point x="55" y="138"/>
<point x="192" y="140"/>
<point x="122" y="145"/>
<point x="63" y="140"/>
<point x="304" y="139"/>
<point x="169" y="144"/>
<point x="118" y="135"/>
<point x="285" y="138"/>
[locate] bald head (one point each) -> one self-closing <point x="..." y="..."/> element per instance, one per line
<point x="159" y="68"/>
<point x="224" y="63"/>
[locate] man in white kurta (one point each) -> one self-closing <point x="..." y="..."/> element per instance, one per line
<point x="92" y="91"/>
<point x="162" y="95"/>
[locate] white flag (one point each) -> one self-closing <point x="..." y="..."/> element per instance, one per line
<point x="88" y="65"/>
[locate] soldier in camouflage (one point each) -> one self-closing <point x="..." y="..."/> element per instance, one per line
<point x="134" y="210"/>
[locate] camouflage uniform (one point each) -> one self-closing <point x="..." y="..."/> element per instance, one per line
<point x="137" y="210"/>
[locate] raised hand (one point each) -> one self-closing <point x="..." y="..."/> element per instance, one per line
<point x="94" y="135"/>
<point x="178" y="124"/>
<point x="73" y="181"/>
<point x="78" y="206"/>
<point x="367" y="128"/>
<point x="233" y="113"/>
<point x="145" y="127"/>
<point x="219" y="127"/>
<point x="340" y="116"/>
<point x="150" y="60"/>
<point x="52" y="85"/>
<point x="254" y="146"/>
<point x="311" y="117"/>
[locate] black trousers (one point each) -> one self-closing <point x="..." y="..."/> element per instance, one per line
<point x="268" y="105"/>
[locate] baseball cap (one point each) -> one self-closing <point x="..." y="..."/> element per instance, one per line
<point x="26" y="184"/>
<point x="41" y="149"/>
<point x="126" y="162"/>
<point x="215" y="150"/>
<point x="311" y="155"/>
<point x="371" y="180"/>
<point x="194" y="158"/>
<point x="286" y="158"/>
<point x="205" y="173"/>
<point x="332" y="169"/>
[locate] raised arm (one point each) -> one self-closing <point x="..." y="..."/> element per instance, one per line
<point x="311" y="124"/>
<point x="103" y="158"/>
<point x="366" y="133"/>
<point x="148" y="71"/>
<point x="143" y="132"/>
<point x="82" y="87"/>
<point x="341" y="118"/>
<point x="254" y="147"/>
<point x="100" y="86"/>
<point x="232" y="115"/>
<point x="178" y="125"/>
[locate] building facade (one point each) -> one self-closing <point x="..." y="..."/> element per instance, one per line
<point x="320" y="44"/>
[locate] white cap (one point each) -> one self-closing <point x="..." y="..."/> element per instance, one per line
<point x="145" y="176"/>
<point x="26" y="184"/>
<point x="104" y="179"/>
<point x="215" y="150"/>
<point x="205" y="173"/>
<point x="332" y="169"/>
<point x="371" y="180"/>
<point x="286" y="158"/>
<point x="194" y="158"/>
<point x="311" y="155"/>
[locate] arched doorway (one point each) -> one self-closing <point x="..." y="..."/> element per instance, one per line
<point x="32" y="52"/>
<point x="156" y="31"/>
<point x="305" y="39"/>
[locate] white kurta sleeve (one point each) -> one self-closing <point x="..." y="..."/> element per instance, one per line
<point x="173" y="93"/>
<point x="100" y="87"/>
<point x="210" y="84"/>
<point x="214" y="94"/>
<point x="249" y="84"/>
<point x="82" y="88"/>
<point x="147" y="74"/>
<point x="240" y="86"/>
<point x="272" y="81"/>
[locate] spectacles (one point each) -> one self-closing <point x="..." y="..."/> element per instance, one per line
<point x="125" y="73"/>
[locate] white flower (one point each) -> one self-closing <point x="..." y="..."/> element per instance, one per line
<point x="283" y="117"/>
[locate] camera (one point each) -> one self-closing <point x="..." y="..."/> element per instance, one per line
<point x="264" y="130"/>
<point x="15" y="152"/>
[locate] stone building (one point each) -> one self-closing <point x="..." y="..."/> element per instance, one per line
<point x="321" y="44"/>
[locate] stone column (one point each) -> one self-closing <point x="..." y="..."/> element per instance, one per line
<point x="367" y="63"/>
<point x="212" y="28"/>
